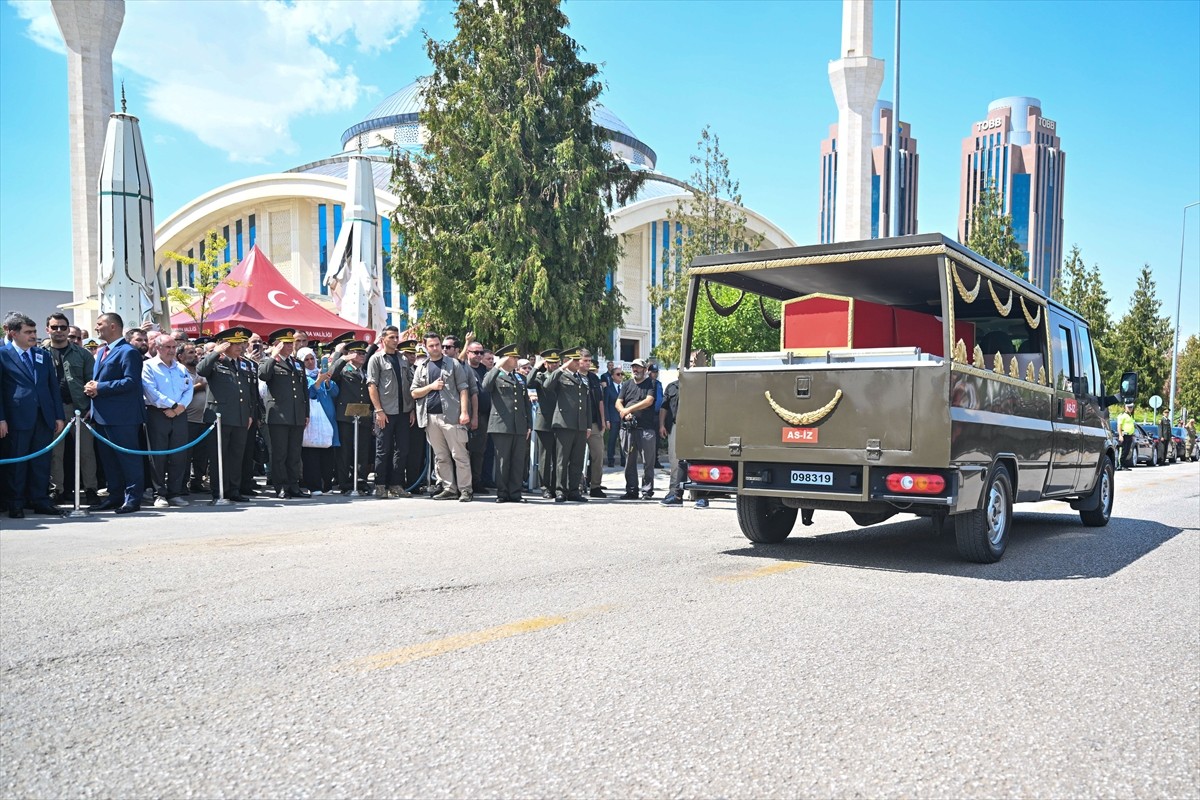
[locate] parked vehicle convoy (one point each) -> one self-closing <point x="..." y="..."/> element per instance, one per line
<point x="1179" y="439"/>
<point x="1142" y="444"/>
<point x="912" y="375"/>
<point x="1150" y="431"/>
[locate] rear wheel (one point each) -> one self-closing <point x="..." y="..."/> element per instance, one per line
<point x="1154" y="456"/>
<point x="1099" y="516"/>
<point x="765" y="520"/>
<point x="983" y="534"/>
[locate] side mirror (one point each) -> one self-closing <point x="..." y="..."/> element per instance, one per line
<point x="1129" y="386"/>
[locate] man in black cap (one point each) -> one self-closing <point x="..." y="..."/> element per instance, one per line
<point x="543" y="420"/>
<point x="232" y="390"/>
<point x="349" y="374"/>
<point x="287" y="385"/>
<point x="508" y="423"/>
<point x="572" y="424"/>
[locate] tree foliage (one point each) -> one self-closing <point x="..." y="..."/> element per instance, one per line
<point x="1144" y="339"/>
<point x="210" y="273"/>
<point x="1187" y="379"/>
<point x="503" y="214"/>
<point x="712" y="220"/>
<point x="1082" y="290"/>
<point x="991" y="234"/>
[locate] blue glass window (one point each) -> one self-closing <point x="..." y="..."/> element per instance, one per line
<point x="237" y="227"/>
<point x="322" y="246"/>
<point x="253" y="237"/>
<point x="225" y="236"/>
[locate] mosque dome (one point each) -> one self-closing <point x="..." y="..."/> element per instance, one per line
<point x="396" y="119"/>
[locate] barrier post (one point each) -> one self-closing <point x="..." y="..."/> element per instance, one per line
<point x="220" y="501"/>
<point x="78" y="423"/>
<point x="355" y="492"/>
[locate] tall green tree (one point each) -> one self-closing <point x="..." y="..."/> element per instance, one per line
<point x="992" y="236"/>
<point x="711" y="220"/>
<point x="1187" y="379"/>
<point x="503" y="215"/>
<point x="1082" y="290"/>
<point x="1144" y="338"/>
<point x="210" y="271"/>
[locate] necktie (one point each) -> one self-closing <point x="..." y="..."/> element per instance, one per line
<point x="103" y="353"/>
<point x="27" y="357"/>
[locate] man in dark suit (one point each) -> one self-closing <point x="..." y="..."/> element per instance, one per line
<point x="572" y="424"/>
<point x="287" y="385"/>
<point x="31" y="415"/>
<point x="118" y="412"/>
<point x="509" y="424"/>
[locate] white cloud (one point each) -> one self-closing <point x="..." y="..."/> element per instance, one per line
<point x="237" y="72"/>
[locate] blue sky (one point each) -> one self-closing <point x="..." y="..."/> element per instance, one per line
<point x="226" y="90"/>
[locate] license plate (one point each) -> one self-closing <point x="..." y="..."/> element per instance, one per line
<point x="799" y="435"/>
<point x="802" y="477"/>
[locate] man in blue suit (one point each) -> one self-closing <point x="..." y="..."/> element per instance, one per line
<point x="118" y="412"/>
<point x="31" y="415"/>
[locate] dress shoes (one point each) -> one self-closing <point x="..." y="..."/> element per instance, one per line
<point x="105" y="506"/>
<point x="46" y="508"/>
<point x="547" y="494"/>
<point x="16" y="513"/>
<point x="597" y="491"/>
<point x="576" y="497"/>
<point x="237" y="498"/>
<point x="128" y="508"/>
<point x="299" y="494"/>
<point x="632" y="494"/>
<point x="560" y="498"/>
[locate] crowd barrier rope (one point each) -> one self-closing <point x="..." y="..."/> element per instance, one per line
<point x="18" y="459"/>
<point x="170" y="452"/>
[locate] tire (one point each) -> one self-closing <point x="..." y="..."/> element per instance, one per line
<point x="1099" y="516"/>
<point x="982" y="534"/>
<point x="765" y="520"/>
<point x="1154" y="457"/>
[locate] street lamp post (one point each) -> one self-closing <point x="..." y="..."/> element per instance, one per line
<point x="1178" y="301"/>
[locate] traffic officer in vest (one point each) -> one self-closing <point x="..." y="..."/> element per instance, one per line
<point x="232" y="393"/>
<point x="572" y="424"/>
<point x="287" y="385"/>
<point x="350" y="375"/>
<point x="509" y="424"/>
<point x="1126" y="428"/>
<point x="543" y="422"/>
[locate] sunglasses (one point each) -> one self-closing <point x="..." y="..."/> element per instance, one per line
<point x="58" y="327"/>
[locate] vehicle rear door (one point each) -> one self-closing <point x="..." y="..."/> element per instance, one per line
<point x="1093" y="414"/>
<point x="1064" y="408"/>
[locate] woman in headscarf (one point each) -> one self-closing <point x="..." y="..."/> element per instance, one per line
<point x="319" y="463"/>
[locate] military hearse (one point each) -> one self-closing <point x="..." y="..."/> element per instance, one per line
<point x="912" y="376"/>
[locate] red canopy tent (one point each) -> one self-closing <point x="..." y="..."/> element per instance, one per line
<point x="264" y="301"/>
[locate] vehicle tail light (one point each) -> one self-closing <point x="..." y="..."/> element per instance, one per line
<point x="915" y="483"/>
<point x="710" y="473"/>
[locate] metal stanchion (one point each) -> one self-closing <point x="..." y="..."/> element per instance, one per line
<point x="78" y="423"/>
<point x="355" y="492"/>
<point x="220" y="501"/>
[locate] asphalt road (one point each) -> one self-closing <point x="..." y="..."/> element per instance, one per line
<point x="413" y="648"/>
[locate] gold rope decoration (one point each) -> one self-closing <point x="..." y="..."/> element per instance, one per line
<point x="962" y="290"/>
<point x="1035" y="320"/>
<point x="978" y="360"/>
<point x="1029" y="372"/>
<point x="804" y="419"/>
<point x="1005" y="309"/>
<point x="998" y="364"/>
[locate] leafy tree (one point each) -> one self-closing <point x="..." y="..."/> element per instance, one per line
<point x="1187" y="379"/>
<point x="1144" y="338"/>
<point x="503" y="213"/>
<point x="991" y="234"/>
<point x="210" y="273"/>
<point x="713" y="221"/>
<point x="1082" y="290"/>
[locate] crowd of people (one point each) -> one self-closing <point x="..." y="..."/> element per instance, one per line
<point x="311" y="416"/>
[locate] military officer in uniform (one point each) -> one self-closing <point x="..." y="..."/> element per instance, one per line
<point x="349" y="373"/>
<point x="287" y="384"/>
<point x="232" y="393"/>
<point x="543" y="421"/>
<point x="572" y="424"/>
<point x="509" y="423"/>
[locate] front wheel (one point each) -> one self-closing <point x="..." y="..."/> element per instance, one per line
<point x="764" y="520"/>
<point x="1154" y="456"/>
<point x="1099" y="516"/>
<point x="982" y="534"/>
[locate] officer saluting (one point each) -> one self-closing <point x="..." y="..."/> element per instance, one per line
<point x="572" y="424"/>
<point x="288" y="386"/>
<point x="543" y="422"/>
<point x="350" y="374"/>
<point x="509" y="424"/>
<point x="232" y="392"/>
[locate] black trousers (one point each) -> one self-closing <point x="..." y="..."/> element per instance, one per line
<point x="167" y="473"/>
<point x="28" y="482"/>
<point x="250" y="458"/>
<point x="198" y="455"/>
<point x="345" y="453"/>
<point x="414" y="466"/>
<point x="477" y="441"/>
<point x="286" y="443"/>
<point x="572" y="445"/>
<point x="231" y="447"/>
<point x="1126" y="449"/>
<point x="319" y="466"/>
<point x="511" y="449"/>
<point x="547" y="459"/>
<point x="391" y="451"/>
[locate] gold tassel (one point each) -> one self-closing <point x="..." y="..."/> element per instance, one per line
<point x="998" y="364"/>
<point x="978" y="362"/>
<point x="1006" y="308"/>
<point x="1029" y="372"/>
<point x="1014" y="369"/>
<point x="962" y="290"/>
<point x="1041" y="375"/>
<point x="960" y="352"/>
<point x="1036" y="319"/>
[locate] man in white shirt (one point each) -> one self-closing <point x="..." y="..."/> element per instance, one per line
<point x="167" y="387"/>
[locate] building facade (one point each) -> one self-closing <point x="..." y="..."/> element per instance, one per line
<point x="881" y="178"/>
<point x="295" y="218"/>
<point x="1017" y="151"/>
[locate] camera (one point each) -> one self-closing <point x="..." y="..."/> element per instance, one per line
<point x="630" y="424"/>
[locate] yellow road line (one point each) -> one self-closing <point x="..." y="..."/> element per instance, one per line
<point x="762" y="572"/>
<point x="439" y="647"/>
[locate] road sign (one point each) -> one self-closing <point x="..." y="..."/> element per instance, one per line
<point x="1155" y="402"/>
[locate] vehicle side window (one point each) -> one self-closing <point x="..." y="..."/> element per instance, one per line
<point x="1087" y="361"/>
<point x="1064" y="359"/>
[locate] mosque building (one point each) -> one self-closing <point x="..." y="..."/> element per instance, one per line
<point x="295" y="217"/>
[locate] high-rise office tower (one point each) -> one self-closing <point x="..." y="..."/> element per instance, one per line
<point x="881" y="170"/>
<point x="1017" y="151"/>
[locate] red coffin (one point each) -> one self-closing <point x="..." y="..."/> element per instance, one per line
<point x="831" y="322"/>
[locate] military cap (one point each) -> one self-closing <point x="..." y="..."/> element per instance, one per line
<point x="346" y="338"/>
<point x="357" y="346"/>
<point x="507" y="351"/>
<point x="202" y="340"/>
<point x="408" y="346"/>
<point x="234" y="335"/>
<point x="594" y="367"/>
<point x="282" y="335"/>
<point x="91" y="344"/>
<point x="551" y="356"/>
<point x="571" y="355"/>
